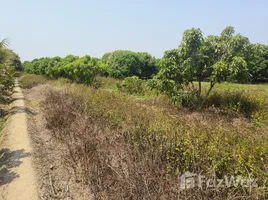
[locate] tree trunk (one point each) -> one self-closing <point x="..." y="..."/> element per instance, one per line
<point x="208" y="92"/>
<point x="199" y="91"/>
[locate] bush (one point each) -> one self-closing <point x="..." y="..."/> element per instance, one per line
<point x="101" y="157"/>
<point x="7" y="75"/>
<point x="125" y="150"/>
<point x="132" y="85"/>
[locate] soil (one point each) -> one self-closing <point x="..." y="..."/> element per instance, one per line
<point x="32" y="164"/>
<point x="55" y="179"/>
<point x="17" y="175"/>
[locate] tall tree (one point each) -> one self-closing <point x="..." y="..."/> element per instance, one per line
<point x="214" y="59"/>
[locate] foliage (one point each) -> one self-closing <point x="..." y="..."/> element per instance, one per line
<point x="257" y="59"/>
<point x="126" y="63"/>
<point x="214" y="59"/>
<point x="8" y="61"/>
<point x="132" y="85"/>
<point x="245" y="102"/>
<point x="30" y="80"/>
<point x="81" y="70"/>
<point x="119" y="145"/>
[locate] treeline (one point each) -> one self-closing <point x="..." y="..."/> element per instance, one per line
<point x="81" y="70"/>
<point x="201" y="54"/>
<point x="117" y="64"/>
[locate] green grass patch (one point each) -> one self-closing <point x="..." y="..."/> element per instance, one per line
<point x="31" y="80"/>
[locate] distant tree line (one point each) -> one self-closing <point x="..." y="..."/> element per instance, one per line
<point x="81" y="70"/>
<point x="228" y="57"/>
<point x="117" y="64"/>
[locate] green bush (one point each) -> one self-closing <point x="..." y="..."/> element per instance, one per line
<point x="132" y="85"/>
<point x="7" y="75"/>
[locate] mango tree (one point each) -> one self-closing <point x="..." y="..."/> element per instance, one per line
<point x="197" y="59"/>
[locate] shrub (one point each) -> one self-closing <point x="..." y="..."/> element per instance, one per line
<point x="125" y="150"/>
<point x="7" y="76"/>
<point x="132" y="85"/>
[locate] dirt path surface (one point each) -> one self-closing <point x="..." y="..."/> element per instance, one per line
<point x="17" y="177"/>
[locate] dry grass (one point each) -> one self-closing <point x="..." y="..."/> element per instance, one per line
<point x="30" y="80"/>
<point x="123" y="154"/>
<point x="127" y="150"/>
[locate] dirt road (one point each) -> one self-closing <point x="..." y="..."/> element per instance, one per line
<point x="17" y="177"/>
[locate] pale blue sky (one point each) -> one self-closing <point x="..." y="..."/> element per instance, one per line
<point x="39" y="28"/>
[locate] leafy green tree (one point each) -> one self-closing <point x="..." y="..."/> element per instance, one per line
<point x="6" y="69"/>
<point x="257" y="59"/>
<point x="123" y="64"/>
<point x="81" y="70"/>
<point x="214" y="59"/>
<point x="148" y="65"/>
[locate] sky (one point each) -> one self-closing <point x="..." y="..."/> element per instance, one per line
<point x="47" y="28"/>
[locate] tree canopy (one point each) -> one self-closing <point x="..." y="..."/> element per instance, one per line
<point x="124" y="63"/>
<point x="8" y="62"/>
<point x="214" y="59"/>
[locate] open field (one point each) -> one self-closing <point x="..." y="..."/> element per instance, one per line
<point x="123" y="147"/>
<point x="118" y="101"/>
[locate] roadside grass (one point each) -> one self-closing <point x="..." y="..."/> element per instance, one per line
<point x="1" y="127"/>
<point x="124" y="149"/>
<point x="107" y="83"/>
<point x="30" y="80"/>
<point x="236" y="86"/>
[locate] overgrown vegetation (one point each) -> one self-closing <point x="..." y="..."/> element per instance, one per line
<point x="125" y="150"/>
<point x="123" y="64"/>
<point x="132" y="85"/>
<point x="8" y="62"/>
<point x="125" y="139"/>
<point x="117" y="64"/>
<point x="214" y="59"/>
<point x="30" y="80"/>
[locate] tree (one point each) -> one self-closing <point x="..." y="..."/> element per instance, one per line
<point x="6" y="69"/>
<point x="214" y="59"/>
<point x="15" y="61"/>
<point x="124" y="63"/>
<point x="82" y="70"/>
<point x="257" y="59"/>
<point x="148" y="65"/>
